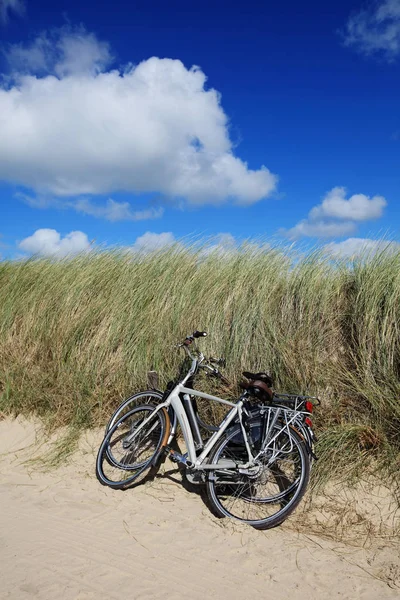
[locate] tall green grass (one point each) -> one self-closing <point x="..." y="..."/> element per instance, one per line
<point x="78" y="335"/>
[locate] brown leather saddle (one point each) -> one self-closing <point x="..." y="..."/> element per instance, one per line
<point x="259" y="385"/>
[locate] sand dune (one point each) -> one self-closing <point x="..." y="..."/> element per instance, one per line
<point x="63" y="535"/>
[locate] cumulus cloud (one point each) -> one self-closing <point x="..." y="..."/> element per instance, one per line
<point x="10" y="6"/>
<point x="70" y="127"/>
<point x="150" y="242"/>
<point x="353" y="247"/>
<point x="375" y="29"/>
<point x="337" y="216"/>
<point x="49" y="243"/>
<point x="221" y="244"/>
<point x="357" y="208"/>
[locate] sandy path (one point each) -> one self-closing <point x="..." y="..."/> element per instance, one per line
<point x="62" y="535"/>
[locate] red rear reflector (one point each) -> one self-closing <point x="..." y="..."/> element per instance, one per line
<point x="309" y="406"/>
<point x="308" y="421"/>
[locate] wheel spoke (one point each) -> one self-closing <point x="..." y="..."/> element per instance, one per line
<point x="120" y="462"/>
<point x="265" y="495"/>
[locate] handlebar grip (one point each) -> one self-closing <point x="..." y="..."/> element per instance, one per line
<point x="198" y="334"/>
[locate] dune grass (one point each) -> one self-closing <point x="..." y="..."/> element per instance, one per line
<point x="78" y="335"/>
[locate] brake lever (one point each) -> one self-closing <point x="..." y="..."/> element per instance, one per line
<point x="218" y="361"/>
<point x="214" y="372"/>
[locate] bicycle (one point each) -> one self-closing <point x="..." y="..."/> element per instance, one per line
<point x="255" y="465"/>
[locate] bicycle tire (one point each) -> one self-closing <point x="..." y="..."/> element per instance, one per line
<point x="106" y="460"/>
<point x="137" y="399"/>
<point x="285" y="500"/>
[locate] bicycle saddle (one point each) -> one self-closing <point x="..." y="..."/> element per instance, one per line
<point x="259" y="385"/>
<point x="264" y="377"/>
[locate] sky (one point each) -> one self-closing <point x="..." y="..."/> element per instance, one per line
<point x="136" y="124"/>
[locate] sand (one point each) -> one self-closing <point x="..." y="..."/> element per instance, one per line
<point x="63" y="535"/>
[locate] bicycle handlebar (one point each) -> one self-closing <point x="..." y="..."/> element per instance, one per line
<point x="218" y="361"/>
<point x="210" y="363"/>
<point x="190" y="338"/>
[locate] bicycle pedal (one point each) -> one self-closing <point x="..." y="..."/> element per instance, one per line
<point x="178" y="458"/>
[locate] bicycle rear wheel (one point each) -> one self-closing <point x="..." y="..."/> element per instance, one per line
<point x="266" y="495"/>
<point x="131" y="446"/>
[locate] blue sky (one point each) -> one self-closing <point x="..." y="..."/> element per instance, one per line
<point x="288" y="128"/>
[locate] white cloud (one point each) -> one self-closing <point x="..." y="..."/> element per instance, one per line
<point x="150" y="242"/>
<point x="375" y="29"/>
<point x="7" y="6"/>
<point x="49" y="243"/>
<point x="337" y="216"/>
<point x="115" y="211"/>
<point x="222" y="244"/>
<point x="111" y="211"/>
<point x="353" y="247"/>
<point x="39" y="201"/>
<point x="72" y="128"/>
<point x="61" y="52"/>
<point x="357" y="208"/>
<point x="319" y="229"/>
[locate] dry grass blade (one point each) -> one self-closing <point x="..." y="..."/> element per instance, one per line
<point x="78" y="335"/>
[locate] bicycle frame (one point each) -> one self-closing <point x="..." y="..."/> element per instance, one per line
<point x="198" y="462"/>
<point x="194" y="461"/>
<point x="236" y="409"/>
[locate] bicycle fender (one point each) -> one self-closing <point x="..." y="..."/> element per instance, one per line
<point x="164" y="441"/>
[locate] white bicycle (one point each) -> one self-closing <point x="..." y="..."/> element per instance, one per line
<point x="255" y="465"/>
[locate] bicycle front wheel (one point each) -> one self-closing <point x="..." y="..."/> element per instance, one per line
<point x="131" y="446"/>
<point x="266" y="494"/>
<point x="152" y="397"/>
